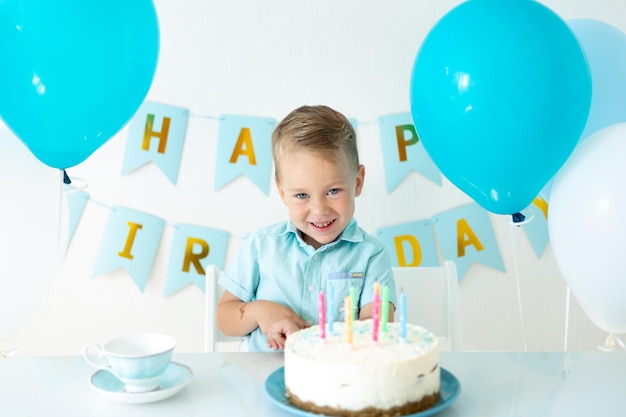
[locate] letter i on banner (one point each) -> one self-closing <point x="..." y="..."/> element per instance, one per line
<point x="410" y="244"/>
<point x="131" y="241"/>
<point x="156" y="134"/>
<point x="466" y="236"/>
<point x="403" y="152"/>
<point x="193" y="248"/>
<point x="244" y="148"/>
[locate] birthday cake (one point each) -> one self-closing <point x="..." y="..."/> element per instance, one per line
<point x="395" y="375"/>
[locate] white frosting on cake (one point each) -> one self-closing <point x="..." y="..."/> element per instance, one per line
<point x="388" y="373"/>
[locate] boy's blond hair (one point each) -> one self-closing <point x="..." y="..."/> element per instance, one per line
<point x="317" y="129"/>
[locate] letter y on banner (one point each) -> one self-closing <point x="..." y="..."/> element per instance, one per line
<point x="131" y="241"/>
<point x="156" y="134"/>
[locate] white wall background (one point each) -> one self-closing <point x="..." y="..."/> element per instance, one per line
<point x="264" y="58"/>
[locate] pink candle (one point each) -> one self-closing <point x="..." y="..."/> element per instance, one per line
<point x="376" y="317"/>
<point x="321" y="314"/>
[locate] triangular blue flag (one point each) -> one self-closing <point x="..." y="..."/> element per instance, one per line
<point x="465" y="235"/>
<point x="403" y="151"/>
<point x="156" y="134"/>
<point x="244" y="148"/>
<point x="76" y="202"/>
<point x="131" y="241"/>
<point x="410" y="244"/>
<point x="193" y="248"/>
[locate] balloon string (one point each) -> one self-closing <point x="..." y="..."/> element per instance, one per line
<point x="566" y="332"/>
<point x="519" y="295"/>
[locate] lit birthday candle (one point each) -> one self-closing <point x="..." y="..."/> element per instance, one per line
<point x="331" y="308"/>
<point x="348" y="317"/>
<point x="321" y="313"/>
<point x="384" y="309"/>
<point x="402" y="303"/>
<point x="376" y="312"/>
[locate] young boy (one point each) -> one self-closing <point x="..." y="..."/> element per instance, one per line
<point x="273" y="283"/>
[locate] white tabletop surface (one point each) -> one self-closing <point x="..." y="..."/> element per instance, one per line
<point x="232" y="384"/>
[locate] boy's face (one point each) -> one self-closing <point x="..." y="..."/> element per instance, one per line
<point x="319" y="194"/>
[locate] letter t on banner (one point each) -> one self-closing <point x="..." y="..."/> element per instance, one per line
<point x="156" y="134"/>
<point x="244" y="147"/>
<point x="131" y="241"/>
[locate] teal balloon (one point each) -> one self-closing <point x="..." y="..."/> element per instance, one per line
<point x="500" y="93"/>
<point x="73" y="73"/>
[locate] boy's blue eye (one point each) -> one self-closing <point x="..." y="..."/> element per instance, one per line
<point x="301" y="196"/>
<point x="333" y="191"/>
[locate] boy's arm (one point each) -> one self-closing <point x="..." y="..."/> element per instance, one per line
<point x="237" y="318"/>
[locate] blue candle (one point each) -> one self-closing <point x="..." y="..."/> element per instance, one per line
<point x="402" y="316"/>
<point x="331" y="308"/>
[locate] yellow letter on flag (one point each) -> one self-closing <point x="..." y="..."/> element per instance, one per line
<point x="149" y="133"/>
<point x="465" y="236"/>
<point x="244" y="147"/>
<point x="415" y="248"/>
<point x="402" y="142"/>
<point x="194" y="258"/>
<point x="130" y="239"/>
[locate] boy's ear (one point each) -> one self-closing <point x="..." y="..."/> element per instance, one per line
<point x="360" y="179"/>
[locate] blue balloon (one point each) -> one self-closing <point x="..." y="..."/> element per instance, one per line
<point x="605" y="49"/>
<point x="73" y="73"/>
<point x="500" y="93"/>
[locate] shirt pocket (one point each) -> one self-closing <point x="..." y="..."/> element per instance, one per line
<point x="338" y="287"/>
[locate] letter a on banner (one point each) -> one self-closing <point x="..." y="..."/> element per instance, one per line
<point x="156" y="134"/>
<point x="403" y="152"/>
<point x="244" y="148"/>
<point x="193" y="248"/>
<point x="466" y="236"/>
<point x="131" y="241"/>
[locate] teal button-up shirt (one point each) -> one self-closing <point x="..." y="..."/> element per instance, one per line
<point x="275" y="264"/>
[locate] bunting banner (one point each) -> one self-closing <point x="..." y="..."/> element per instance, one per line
<point x="403" y="151"/>
<point x="76" y="203"/>
<point x="193" y="248"/>
<point x="156" y="134"/>
<point x="244" y="148"/>
<point x="130" y="241"/>
<point x="466" y="236"/>
<point x="413" y="244"/>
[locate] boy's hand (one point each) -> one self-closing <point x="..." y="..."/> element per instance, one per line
<point x="276" y="322"/>
<point x="278" y="332"/>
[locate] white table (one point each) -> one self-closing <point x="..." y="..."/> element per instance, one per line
<point x="231" y="384"/>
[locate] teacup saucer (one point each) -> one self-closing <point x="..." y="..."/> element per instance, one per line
<point x="174" y="379"/>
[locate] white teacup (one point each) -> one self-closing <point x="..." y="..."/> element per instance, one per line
<point x="137" y="360"/>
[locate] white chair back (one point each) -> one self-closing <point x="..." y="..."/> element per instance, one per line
<point x="214" y="339"/>
<point x="432" y="295"/>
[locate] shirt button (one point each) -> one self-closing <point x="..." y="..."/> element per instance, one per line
<point x="311" y="288"/>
